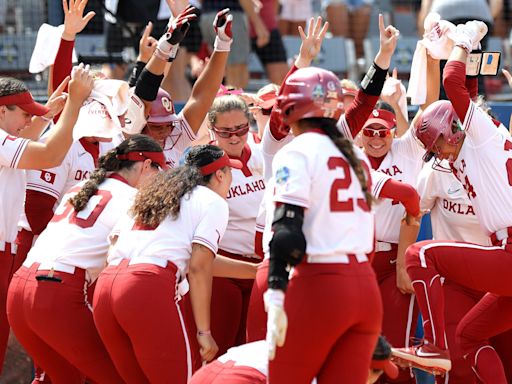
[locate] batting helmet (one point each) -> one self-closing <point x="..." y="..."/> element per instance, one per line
<point x="162" y="109"/>
<point x="310" y="92"/>
<point x="438" y="120"/>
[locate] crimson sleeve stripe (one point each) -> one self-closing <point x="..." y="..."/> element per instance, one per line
<point x="207" y="243"/>
<point x="471" y="111"/>
<point x="18" y="153"/>
<point x="378" y="186"/>
<point x="42" y="188"/>
<point x="191" y="135"/>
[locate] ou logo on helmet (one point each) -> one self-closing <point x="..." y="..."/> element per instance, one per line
<point x="168" y="105"/>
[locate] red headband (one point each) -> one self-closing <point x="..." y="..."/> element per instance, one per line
<point x="220" y="163"/>
<point x="156" y="157"/>
<point x="25" y="101"/>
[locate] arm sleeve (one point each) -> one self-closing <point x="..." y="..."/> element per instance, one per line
<point x="378" y="181"/>
<point x="62" y="65"/>
<point x="454" y="83"/>
<point x="404" y="193"/>
<point x="39" y="210"/>
<point x="136" y="71"/>
<point x="358" y="112"/>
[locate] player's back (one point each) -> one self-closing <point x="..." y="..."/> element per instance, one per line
<point x="312" y="172"/>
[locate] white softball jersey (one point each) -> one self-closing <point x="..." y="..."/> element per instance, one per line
<point x="12" y="185"/>
<point x="403" y="162"/>
<point x="311" y="172"/>
<point x="202" y="219"/>
<point x="451" y="212"/>
<point x="244" y="198"/>
<point x="484" y="167"/>
<point x="80" y="239"/>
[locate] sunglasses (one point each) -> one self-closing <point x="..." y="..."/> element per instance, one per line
<point x="238" y="131"/>
<point x="382" y="133"/>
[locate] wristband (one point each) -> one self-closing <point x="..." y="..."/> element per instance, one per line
<point x="222" y="45"/>
<point x="204" y="333"/>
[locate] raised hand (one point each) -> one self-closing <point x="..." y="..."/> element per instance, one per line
<point x="312" y="42"/>
<point x="74" y="19"/>
<point x="81" y="83"/>
<point x="168" y="44"/>
<point x="57" y="100"/>
<point x="222" y="26"/>
<point x="388" y="37"/>
<point x="508" y="76"/>
<point x="147" y="44"/>
<point x="392" y="98"/>
<point x="177" y="6"/>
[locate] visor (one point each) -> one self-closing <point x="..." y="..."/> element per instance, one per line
<point x="155" y="157"/>
<point x="349" y="92"/>
<point x="220" y="163"/>
<point x="25" y="101"/>
<point x="381" y="117"/>
<point x="389" y="368"/>
<point x="268" y="100"/>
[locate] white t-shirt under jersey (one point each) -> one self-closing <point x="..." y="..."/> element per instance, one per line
<point x="403" y="162"/>
<point x="81" y="239"/>
<point x="484" y="167"/>
<point x="12" y="185"/>
<point x="202" y="219"/>
<point x="451" y="212"/>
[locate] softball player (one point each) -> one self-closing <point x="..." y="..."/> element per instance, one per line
<point x="479" y="157"/>
<point x="16" y="153"/>
<point x="319" y="162"/>
<point x="178" y="223"/>
<point x="48" y="302"/>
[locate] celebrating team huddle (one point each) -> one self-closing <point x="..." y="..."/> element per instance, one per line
<point x="164" y="247"/>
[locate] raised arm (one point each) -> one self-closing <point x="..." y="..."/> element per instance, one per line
<point x="207" y="85"/>
<point x="51" y="153"/>
<point x="371" y="86"/>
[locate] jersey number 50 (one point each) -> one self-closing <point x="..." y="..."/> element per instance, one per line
<point x="344" y="183"/>
<point x="100" y="204"/>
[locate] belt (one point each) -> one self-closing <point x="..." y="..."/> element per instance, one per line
<point x="500" y="235"/>
<point x="5" y="246"/>
<point x="335" y="259"/>
<point x="251" y="257"/>
<point x="56" y="266"/>
<point x="382" y="246"/>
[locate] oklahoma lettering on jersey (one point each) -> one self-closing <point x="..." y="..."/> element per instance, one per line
<point x="202" y="219"/>
<point x="451" y="212"/>
<point x="244" y="198"/>
<point x="12" y="184"/>
<point x="484" y="167"/>
<point x="403" y="162"/>
<point x="179" y="139"/>
<point x="311" y="172"/>
<point x="80" y="238"/>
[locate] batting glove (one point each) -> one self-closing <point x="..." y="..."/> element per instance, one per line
<point x="222" y="25"/>
<point x="168" y="44"/>
<point x="277" y="322"/>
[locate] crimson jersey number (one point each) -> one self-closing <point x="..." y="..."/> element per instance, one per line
<point x="89" y="221"/>
<point x="344" y="183"/>
<point x="508" y="164"/>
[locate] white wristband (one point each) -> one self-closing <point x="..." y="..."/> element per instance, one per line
<point x="222" y="45"/>
<point x="274" y="297"/>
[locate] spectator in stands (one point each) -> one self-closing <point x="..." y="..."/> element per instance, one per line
<point x="349" y="18"/>
<point x="237" y="73"/>
<point x="294" y="14"/>
<point x="272" y="54"/>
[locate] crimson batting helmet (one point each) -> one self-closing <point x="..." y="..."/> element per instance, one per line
<point x="310" y="92"/>
<point x="162" y="109"/>
<point x="438" y="120"/>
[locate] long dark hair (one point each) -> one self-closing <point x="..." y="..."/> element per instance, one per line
<point x="345" y="146"/>
<point x="162" y="197"/>
<point x="110" y="163"/>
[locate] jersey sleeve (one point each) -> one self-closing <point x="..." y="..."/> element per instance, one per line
<point x="409" y="146"/>
<point x="186" y="137"/>
<point x="11" y="149"/>
<point x="426" y="188"/>
<point x="344" y="128"/>
<point x="378" y="181"/>
<point x="212" y="226"/>
<point x="270" y="145"/>
<point x="478" y="125"/>
<point x="292" y="180"/>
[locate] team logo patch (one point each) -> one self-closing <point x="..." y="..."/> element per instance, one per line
<point x="167" y="104"/>
<point x="318" y="92"/>
<point x="331" y="86"/>
<point x="282" y="175"/>
<point x="375" y="113"/>
<point x="49" y="177"/>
